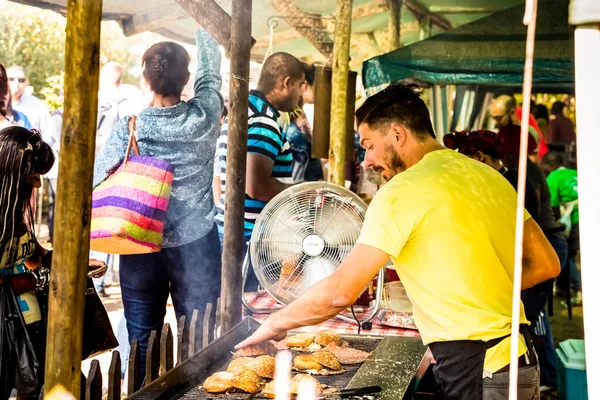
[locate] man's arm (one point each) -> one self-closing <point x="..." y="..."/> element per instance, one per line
<point x="260" y="184"/>
<point x="540" y="261"/>
<point x="327" y="298"/>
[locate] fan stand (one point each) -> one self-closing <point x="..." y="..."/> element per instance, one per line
<point x="380" y="281"/>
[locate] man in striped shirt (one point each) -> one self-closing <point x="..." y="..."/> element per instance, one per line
<point x="269" y="163"/>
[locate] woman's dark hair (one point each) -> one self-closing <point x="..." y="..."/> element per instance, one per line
<point x="23" y="154"/>
<point x="469" y="143"/>
<point x="557" y="108"/>
<point x="540" y="111"/>
<point x="309" y="73"/>
<point x="166" y="68"/>
<point x="3" y="90"/>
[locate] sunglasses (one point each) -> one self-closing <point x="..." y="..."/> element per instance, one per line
<point x="21" y="80"/>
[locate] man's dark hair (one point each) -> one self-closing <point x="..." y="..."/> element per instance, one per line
<point x="557" y="108"/>
<point x="278" y="67"/>
<point x="553" y="159"/>
<point x="400" y="104"/>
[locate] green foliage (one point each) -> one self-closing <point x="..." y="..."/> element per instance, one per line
<point x="35" y="39"/>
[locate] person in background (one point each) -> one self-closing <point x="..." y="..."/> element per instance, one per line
<point x="220" y="159"/>
<point x="489" y="148"/>
<point x="34" y="109"/>
<point x="564" y="199"/>
<point x="4" y="93"/>
<point x="448" y="223"/>
<point x="24" y="264"/>
<point x="504" y="112"/>
<point x="269" y="163"/>
<point x="560" y="129"/>
<point x="540" y="113"/>
<point x="183" y="134"/>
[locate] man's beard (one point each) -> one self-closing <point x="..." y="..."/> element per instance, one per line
<point x="393" y="163"/>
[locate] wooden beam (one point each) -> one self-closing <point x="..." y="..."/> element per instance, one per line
<point x="73" y="205"/>
<point x="152" y="20"/>
<point x="237" y="147"/>
<point x="369" y="9"/>
<point x="464" y="10"/>
<point x="420" y="11"/>
<point x="339" y="88"/>
<point x="395" y="7"/>
<point x="212" y="18"/>
<point x="309" y="25"/>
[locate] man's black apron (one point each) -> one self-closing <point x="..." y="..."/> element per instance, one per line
<point x="458" y="370"/>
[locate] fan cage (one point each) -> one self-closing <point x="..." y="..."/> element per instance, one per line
<point x="303" y="235"/>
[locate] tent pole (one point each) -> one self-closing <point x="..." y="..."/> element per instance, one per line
<point x="587" y="87"/>
<point x="237" y="146"/>
<point x="73" y="206"/>
<point x="529" y="20"/>
<point x="339" y="88"/>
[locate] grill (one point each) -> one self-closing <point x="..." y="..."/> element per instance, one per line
<point x="395" y="365"/>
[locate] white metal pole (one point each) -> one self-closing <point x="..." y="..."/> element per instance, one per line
<point x="529" y="19"/>
<point x="587" y="87"/>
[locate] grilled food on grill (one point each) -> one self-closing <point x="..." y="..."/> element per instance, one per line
<point x="264" y="348"/>
<point x="348" y="355"/>
<point x="263" y="366"/>
<point x="305" y="362"/>
<point x="247" y="380"/>
<point x="220" y="382"/>
<point x="325" y="338"/>
<point x="327" y="359"/>
<point x="301" y="340"/>
<point x="238" y="363"/>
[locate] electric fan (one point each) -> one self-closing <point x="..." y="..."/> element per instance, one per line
<point x="301" y="237"/>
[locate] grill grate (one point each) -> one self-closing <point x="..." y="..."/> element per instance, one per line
<point x="336" y="381"/>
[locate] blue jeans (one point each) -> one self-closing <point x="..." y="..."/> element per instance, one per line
<point x="190" y="273"/>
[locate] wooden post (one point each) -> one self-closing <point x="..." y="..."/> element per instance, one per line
<point x="193" y="330"/>
<point x="339" y="87"/>
<point x="350" y="105"/>
<point x="133" y="368"/>
<point x="182" y="352"/>
<point x="237" y="147"/>
<point x="114" y="377"/>
<point x="166" y="350"/>
<point x="93" y="383"/>
<point x="322" y="123"/>
<point x="152" y="357"/>
<point x="72" y="233"/>
<point x="395" y="7"/>
<point x="208" y="325"/>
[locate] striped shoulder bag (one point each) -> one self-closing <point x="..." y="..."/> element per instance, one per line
<point x="129" y="208"/>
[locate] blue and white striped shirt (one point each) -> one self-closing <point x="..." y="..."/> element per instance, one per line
<point x="265" y="137"/>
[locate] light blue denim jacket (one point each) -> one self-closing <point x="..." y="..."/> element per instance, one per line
<point x="184" y="135"/>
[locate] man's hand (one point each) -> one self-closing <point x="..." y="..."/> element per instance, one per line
<point x="96" y="268"/>
<point x="267" y="331"/>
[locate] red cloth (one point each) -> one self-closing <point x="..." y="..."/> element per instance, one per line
<point x="542" y="145"/>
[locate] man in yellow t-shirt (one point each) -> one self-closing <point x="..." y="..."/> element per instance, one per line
<point x="448" y="223"/>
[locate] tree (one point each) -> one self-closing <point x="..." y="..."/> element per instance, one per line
<point x="35" y="39"/>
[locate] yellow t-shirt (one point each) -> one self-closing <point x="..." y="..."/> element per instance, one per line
<point x="448" y="223"/>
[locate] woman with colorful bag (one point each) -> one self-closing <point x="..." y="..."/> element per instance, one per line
<point x="157" y="208"/>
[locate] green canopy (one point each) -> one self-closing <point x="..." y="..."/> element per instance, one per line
<point x="489" y="51"/>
